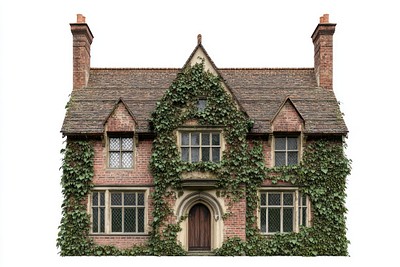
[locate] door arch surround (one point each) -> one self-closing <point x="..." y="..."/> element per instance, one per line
<point x="215" y="208"/>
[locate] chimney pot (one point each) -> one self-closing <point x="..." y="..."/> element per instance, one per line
<point x="80" y="18"/>
<point x="199" y="39"/>
<point x="324" y="19"/>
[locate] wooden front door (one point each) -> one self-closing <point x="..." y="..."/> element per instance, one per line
<point x="199" y="228"/>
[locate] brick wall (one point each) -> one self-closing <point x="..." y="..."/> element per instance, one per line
<point x="235" y="224"/>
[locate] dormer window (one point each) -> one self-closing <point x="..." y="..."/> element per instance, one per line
<point x="200" y="146"/>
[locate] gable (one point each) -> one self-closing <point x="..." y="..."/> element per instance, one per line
<point x="120" y="119"/>
<point x="287" y="119"/>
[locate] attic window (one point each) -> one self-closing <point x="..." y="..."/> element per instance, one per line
<point x="201" y="104"/>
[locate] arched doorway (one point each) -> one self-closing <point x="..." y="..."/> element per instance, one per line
<point x="199" y="232"/>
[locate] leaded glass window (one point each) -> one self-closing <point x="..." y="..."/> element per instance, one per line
<point x="121" y="152"/>
<point x="98" y="212"/>
<point x="279" y="210"/>
<point x="286" y="151"/>
<point x="127" y="212"/>
<point x="200" y="146"/>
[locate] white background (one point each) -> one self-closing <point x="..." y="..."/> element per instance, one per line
<point x="36" y="79"/>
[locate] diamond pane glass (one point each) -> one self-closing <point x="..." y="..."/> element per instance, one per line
<point x="116" y="219"/>
<point x="195" y="139"/>
<point x="95" y="199"/>
<point x="215" y="139"/>
<point x="114" y="144"/>
<point x="195" y="154"/>
<point x="205" y="154"/>
<point x="263" y="220"/>
<point x="280" y="143"/>
<point x="102" y="220"/>
<point x="287" y="219"/>
<point x="274" y="199"/>
<point x="127" y="144"/>
<point x="205" y="139"/>
<point x="102" y="200"/>
<point x="129" y="199"/>
<point x="185" y="139"/>
<point x="114" y="159"/>
<point x="95" y="224"/>
<point x="140" y="199"/>
<point x="263" y="199"/>
<point x="280" y="159"/>
<point x="292" y="158"/>
<point x="185" y="154"/>
<point x="292" y="143"/>
<point x="127" y="159"/>
<point x="130" y="220"/>
<point x="288" y="199"/>
<point x="216" y="154"/>
<point x="274" y="220"/>
<point x="116" y="199"/>
<point x="140" y="220"/>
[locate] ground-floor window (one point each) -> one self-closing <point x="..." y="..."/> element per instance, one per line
<point x="283" y="211"/>
<point x="116" y="211"/>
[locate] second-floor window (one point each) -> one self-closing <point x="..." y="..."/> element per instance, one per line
<point x="286" y="151"/>
<point x="120" y="152"/>
<point x="200" y="146"/>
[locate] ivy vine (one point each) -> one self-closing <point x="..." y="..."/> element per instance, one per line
<point x="321" y="175"/>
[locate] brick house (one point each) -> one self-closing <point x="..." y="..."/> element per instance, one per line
<point x="113" y="109"/>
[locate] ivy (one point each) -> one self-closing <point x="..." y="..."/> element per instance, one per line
<point x="321" y="175"/>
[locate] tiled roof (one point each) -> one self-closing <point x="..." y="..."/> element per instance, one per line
<point x="260" y="92"/>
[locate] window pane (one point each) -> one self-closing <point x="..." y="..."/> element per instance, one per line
<point x="215" y="139"/>
<point x="304" y="216"/>
<point x="274" y="220"/>
<point x="114" y="144"/>
<point x="292" y="158"/>
<point x="263" y="220"/>
<point x="195" y="139"/>
<point x="304" y="199"/>
<point x="130" y="220"/>
<point x="116" y="219"/>
<point x="201" y="104"/>
<point x="102" y="220"/>
<point x="287" y="219"/>
<point x="216" y="154"/>
<point x="102" y="199"/>
<point x="280" y="159"/>
<point x="127" y="160"/>
<point x="127" y="144"/>
<point x="114" y="159"/>
<point x="185" y="154"/>
<point x="95" y="198"/>
<point x="274" y="199"/>
<point x="140" y="220"/>
<point x="129" y="199"/>
<point x="116" y="199"/>
<point x="205" y="154"/>
<point x="263" y="199"/>
<point x="292" y="143"/>
<point x="280" y="143"/>
<point x="288" y="199"/>
<point x="195" y="154"/>
<point x="205" y="139"/>
<point x="185" y="139"/>
<point x="95" y="225"/>
<point x="140" y="200"/>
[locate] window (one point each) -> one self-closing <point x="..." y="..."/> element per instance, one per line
<point x="200" y="146"/>
<point x="286" y="151"/>
<point x="118" y="212"/>
<point x="201" y="104"/>
<point x="281" y="213"/>
<point x="120" y="152"/>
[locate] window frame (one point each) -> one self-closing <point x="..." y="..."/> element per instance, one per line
<point x="120" y="151"/>
<point x="108" y="209"/>
<point x="297" y="194"/>
<point x="286" y="150"/>
<point x="201" y="131"/>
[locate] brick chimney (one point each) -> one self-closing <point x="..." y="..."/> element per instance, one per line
<point x="323" y="52"/>
<point x="82" y="39"/>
